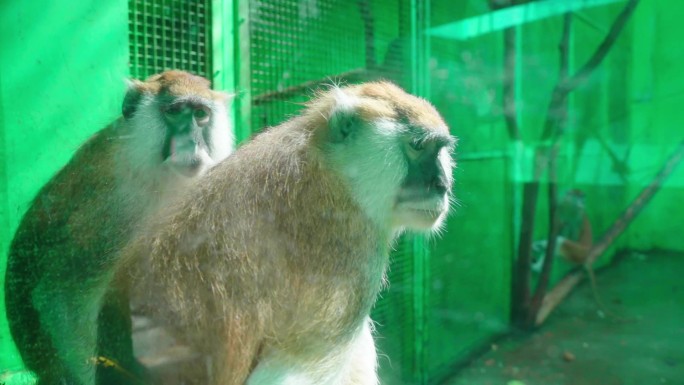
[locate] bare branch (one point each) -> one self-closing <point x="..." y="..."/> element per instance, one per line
<point x="552" y="186"/>
<point x="509" y="107"/>
<point x="585" y="72"/>
<point x="564" y="87"/>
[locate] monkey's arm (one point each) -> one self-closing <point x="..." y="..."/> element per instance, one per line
<point x="577" y="251"/>
<point x="53" y="263"/>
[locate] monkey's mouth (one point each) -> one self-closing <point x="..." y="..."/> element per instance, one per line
<point x="185" y="156"/>
<point x="420" y="214"/>
<point x="428" y="214"/>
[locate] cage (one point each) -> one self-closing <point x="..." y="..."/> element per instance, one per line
<point x="552" y="101"/>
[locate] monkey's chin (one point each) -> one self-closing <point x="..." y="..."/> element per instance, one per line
<point x="418" y="218"/>
<point x="188" y="171"/>
<point x="189" y="168"/>
<point x="189" y="164"/>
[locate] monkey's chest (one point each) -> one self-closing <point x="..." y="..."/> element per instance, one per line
<point x="327" y="304"/>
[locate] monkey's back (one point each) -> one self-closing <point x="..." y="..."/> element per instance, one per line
<point x="64" y="238"/>
<point x="270" y="244"/>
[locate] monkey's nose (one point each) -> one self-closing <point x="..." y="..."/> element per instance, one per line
<point x="439" y="186"/>
<point x="184" y="127"/>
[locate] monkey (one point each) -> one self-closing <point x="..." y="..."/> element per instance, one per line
<point x="576" y="232"/>
<point x="575" y="235"/>
<point x="574" y="242"/>
<point x="269" y="269"/>
<point x="64" y="315"/>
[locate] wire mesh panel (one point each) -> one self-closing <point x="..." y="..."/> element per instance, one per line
<point x="169" y="34"/>
<point x="296" y="46"/>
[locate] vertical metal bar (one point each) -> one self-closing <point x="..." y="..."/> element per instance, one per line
<point x="134" y="51"/>
<point x="516" y="165"/>
<point x="420" y="283"/>
<point x="155" y="36"/>
<point x="224" y="39"/>
<point x="243" y="75"/>
<point x="144" y="42"/>
<point x="197" y="54"/>
<point x="4" y="191"/>
<point x="177" y="36"/>
<point x="208" y="39"/>
<point x="172" y="38"/>
<point x="420" y="85"/>
<point x="201" y="67"/>
<point x="414" y="46"/>
<point x="156" y="41"/>
<point x="165" y="54"/>
<point x="188" y="41"/>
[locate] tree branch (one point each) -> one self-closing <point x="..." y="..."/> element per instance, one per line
<point x="524" y="313"/>
<point x="563" y="88"/>
<point x="510" y="112"/>
<point x="552" y="185"/>
<point x="590" y="66"/>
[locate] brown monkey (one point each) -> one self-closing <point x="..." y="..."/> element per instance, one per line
<point x="173" y="129"/>
<point x="574" y="242"/>
<point x="575" y="236"/>
<point x="270" y="267"/>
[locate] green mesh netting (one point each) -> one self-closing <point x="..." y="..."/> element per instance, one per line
<point x="169" y="34"/>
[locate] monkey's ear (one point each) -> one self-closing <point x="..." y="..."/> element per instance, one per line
<point x="132" y="98"/>
<point x="344" y="119"/>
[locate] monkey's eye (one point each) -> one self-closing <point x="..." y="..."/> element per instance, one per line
<point x="174" y="109"/>
<point x="417" y="145"/>
<point x="414" y="148"/>
<point x="201" y="115"/>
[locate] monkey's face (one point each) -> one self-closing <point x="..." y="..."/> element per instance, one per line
<point x="178" y="122"/>
<point x="192" y="134"/>
<point x="395" y="151"/>
<point x="422" y="199"/>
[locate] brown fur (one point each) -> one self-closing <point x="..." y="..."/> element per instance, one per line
<point x="66" y="245"/>
<point x="179" y="83"/>
<point x="379" y="100"/>
<point x="575" y="228"/>
<point x="271" y="252"/>
<point x="577" y="251"/>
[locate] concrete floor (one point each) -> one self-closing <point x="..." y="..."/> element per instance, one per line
<point x="644" y="345"/>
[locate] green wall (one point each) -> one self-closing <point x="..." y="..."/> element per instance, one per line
<point x="658" y="121"/>
<point x="64" y="65"/>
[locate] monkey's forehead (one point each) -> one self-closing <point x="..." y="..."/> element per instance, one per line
<point x="178" y="83"/>
<point x="384" y="99"/>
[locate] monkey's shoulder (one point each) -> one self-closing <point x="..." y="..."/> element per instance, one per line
<point x="80" y="186"/>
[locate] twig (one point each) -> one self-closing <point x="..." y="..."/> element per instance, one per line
<point x="349" y="76"/>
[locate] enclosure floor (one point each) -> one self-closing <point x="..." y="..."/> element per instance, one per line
<point x="643" y="346"/>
